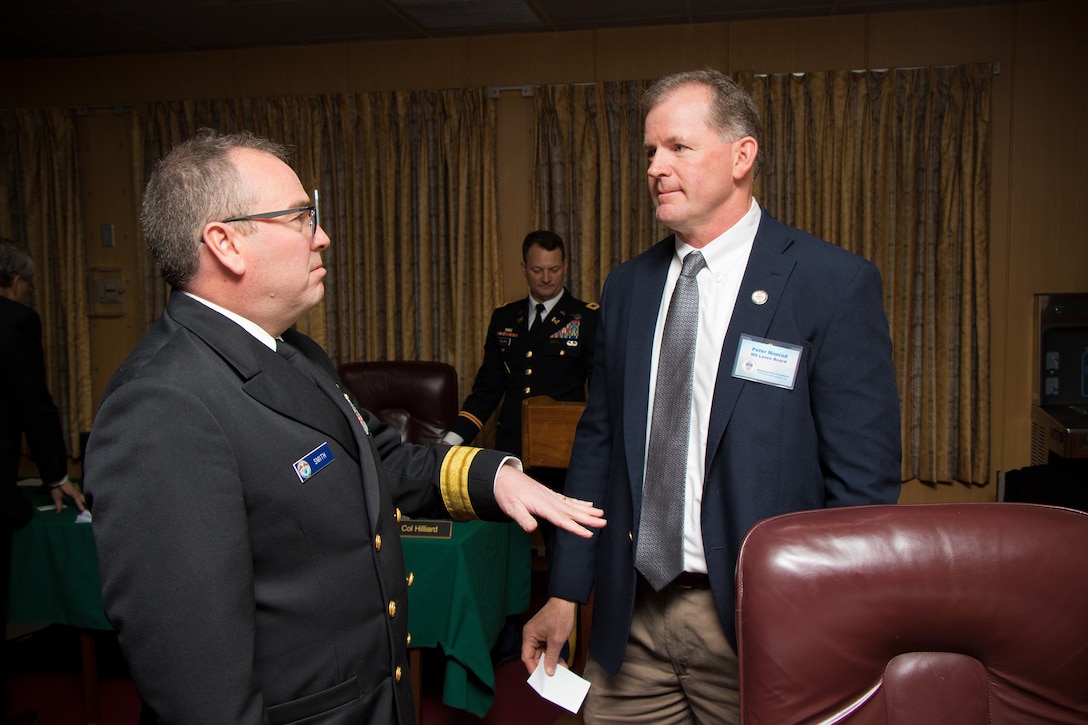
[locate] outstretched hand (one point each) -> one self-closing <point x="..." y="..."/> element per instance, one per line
<point x="524" y="500"/>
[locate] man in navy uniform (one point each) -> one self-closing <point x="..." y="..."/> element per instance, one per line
<point x="245" y="508"/>
<point x="540" y="345"/>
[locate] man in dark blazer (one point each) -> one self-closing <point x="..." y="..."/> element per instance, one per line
<point x="821" y="429"/>
<point x="26" y="407"/>
<point x="521" y="359"/>
<point x="245" y="509"/>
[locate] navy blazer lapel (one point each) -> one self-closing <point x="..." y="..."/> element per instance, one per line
<point x="768" y="271"/>
<point x="266" y="376"/>
<point x="647" y="286"/>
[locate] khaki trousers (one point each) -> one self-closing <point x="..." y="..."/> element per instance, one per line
<point x="678" y="667"/>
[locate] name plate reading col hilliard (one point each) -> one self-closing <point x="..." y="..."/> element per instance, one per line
<point x="426" y="528"/>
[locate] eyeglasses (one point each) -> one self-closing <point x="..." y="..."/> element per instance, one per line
<point x="311" y="222"/>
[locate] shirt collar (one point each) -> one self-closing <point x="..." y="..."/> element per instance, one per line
<point x="249" y="326"/>
<point x="737" y="238"/>
<point x="548" y="304"/>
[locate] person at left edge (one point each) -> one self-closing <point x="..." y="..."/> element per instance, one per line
<point x="245" y="509"/>
<point x="26" y="407"/>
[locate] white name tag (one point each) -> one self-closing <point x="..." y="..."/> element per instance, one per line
<point x="767" y="361"/>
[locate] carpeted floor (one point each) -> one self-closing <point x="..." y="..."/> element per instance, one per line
<point x="51" y="684"/>
<point x="45" y="676"/>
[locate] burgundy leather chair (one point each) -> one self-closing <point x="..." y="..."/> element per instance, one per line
<point x="417" y="397"/>
<point x="935" y="613"/>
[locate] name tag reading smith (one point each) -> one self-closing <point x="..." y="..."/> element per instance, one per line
<point x="313" y="462"/>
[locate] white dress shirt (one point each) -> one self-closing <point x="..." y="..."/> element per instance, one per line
<point x="726" y="259"/>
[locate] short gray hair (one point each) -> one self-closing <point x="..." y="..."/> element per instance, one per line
<point x="732" y="111"/>
<point x="14" y="262"/>
<point x="196" y="183"/>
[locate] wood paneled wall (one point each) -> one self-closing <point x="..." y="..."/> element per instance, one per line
<point x="1040" y="148"/>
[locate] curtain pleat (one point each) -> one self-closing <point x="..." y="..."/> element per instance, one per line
<point x="892" y="165"/>
<point x="589" y="180"/>
<point x="40" y="208"/>
<point x="408" y="197"/>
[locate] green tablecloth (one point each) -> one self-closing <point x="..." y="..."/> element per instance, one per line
<point x="464" y="588"/>
<point x="54" y="571"/>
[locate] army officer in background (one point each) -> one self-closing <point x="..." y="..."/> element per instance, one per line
<point x="540" y="345"/>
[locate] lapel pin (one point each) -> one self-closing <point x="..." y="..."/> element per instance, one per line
<point x="759" y="297"/>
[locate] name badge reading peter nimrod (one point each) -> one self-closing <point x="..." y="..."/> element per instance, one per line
<point x="313" y="462"/>
<point x="767" y="361"/>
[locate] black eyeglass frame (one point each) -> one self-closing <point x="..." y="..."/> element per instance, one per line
<point x="312" y="208"/>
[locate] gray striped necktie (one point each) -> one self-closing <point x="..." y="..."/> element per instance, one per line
<point x="659" y="553"/>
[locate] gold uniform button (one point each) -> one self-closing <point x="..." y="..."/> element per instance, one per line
<point x="392" y="609"/>
<point x="396" y="516"/>
<point x="528" y="390"/>
<point x="529" y="354"/>
<point x="630" y="536"/>
<point x="378" y="542"/>
<point x="399" y="673"/>
<point x="411" y="578"/>
<point x="528" y="371"/>
<point x="408" y="643"/>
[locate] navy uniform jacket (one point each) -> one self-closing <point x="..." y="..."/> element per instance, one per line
<point x="243" y="590"/>
<point x="517" y="365"/>
<point x="25" y="407"/>
<point x="834" y="440"/>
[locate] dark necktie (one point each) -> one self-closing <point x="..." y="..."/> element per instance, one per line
<point x="538" y="322"/>
<point x="659" y="554"/>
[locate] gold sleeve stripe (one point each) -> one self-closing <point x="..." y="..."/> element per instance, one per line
<point x="454" y="481"/>
<point x="475" y="421"/>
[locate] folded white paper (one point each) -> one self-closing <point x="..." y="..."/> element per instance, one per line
<point x="564" y="688"/>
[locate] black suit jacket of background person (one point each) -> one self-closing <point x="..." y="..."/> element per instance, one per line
<point x="519" y="363"/>
<point x="241" y="592"/>
<point x="25" y="407"/>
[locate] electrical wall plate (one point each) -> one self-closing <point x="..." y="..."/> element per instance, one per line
<point x="105" y="292"/>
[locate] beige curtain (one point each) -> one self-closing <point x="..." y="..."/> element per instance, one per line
<point x="893" y="165"/>
<point x="590" y="177"/>
<point x="408" y="196"/>
<point x="40" y="208"/>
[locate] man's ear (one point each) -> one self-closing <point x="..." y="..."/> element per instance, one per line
<point x="744" y="156"/>
<point x="219" y="238"/>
